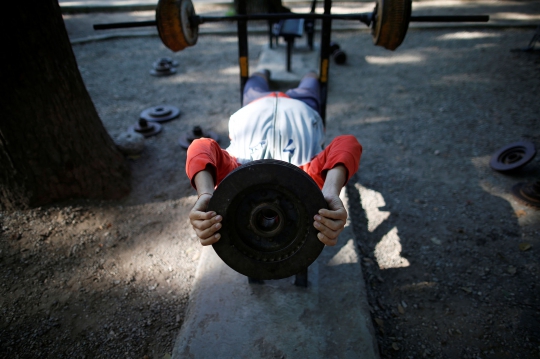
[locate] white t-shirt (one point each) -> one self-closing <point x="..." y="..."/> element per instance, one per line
<point x="277" y="128"/>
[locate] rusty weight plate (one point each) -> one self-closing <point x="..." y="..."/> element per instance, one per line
<point x="145" y="128"/>
<point x="528" y="193"/>
<point x="160" y="113"/>
<point x="512" y="156"/>
<point x="268" y="208"/>
<point x="390" y="23"/>
<point x="174" y="26"/>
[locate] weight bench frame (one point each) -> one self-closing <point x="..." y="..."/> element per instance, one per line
<point x="324" y="54"/>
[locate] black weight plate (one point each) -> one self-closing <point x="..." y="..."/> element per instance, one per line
<point x="160" y="113"/>
<point x="513" y="156"/>
<point x="268" y="208"/>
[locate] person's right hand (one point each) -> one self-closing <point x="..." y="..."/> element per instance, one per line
<point x="205" y="224"/>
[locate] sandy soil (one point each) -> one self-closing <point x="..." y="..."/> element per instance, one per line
<point x="449" y="257"/>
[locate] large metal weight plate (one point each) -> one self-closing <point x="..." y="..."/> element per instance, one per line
<point x="174" y="26"/>
<point x="390" y="23"/>
<point x="268" y="208"/>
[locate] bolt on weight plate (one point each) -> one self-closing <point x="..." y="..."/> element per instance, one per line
<point x="160" y="113"/>
<point x="390" y="22"/>
<point x="196" y="133"/>
<point x="528" y="193"/>
<point x="267" y="228"/>
<point x="513" y="156"/>
<point x="146" y="128"/>
<point x="174" y="24"/>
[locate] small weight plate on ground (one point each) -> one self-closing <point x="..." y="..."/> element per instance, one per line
<point x="197" y="132"/>
<point x="174" y="24"/>
<point x="513" y="156"/>
<point x="528" y="193"/>
<point x="163" y="70"/>
<point x="390" y="22"/>
<point x="160" y="113"/>
<point x="146" y="128"/>
<point x="268" y="208"/>
<point x="166" y="60"/>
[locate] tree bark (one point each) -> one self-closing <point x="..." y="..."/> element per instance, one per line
<point x="53" y="145"/>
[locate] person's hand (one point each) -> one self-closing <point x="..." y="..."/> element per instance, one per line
<point x="330" y="222"/>
<point x="205" y="224"/>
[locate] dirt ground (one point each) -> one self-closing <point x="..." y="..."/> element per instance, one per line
<point x="450" y="258"/>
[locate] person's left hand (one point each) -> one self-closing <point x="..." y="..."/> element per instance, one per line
<point x="330" y="222"/>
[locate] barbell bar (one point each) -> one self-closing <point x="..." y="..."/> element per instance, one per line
<point x="360" y="16"/>
<point x="178" y="24"/>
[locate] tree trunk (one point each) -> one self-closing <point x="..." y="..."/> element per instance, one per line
<point x="262" y="6"/>
<point x="53" y="145"/>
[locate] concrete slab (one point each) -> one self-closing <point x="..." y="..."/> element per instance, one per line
<point x="275" y="59"/>
<point x="229" y="318"/>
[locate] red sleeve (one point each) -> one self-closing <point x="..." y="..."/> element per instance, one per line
<point x="344" y="150"/>
<point x="205" y="153"/>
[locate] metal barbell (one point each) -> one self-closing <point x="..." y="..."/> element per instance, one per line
<point x="178" y="24"/>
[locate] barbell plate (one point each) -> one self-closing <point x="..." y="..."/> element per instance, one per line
<point x="391" y="22"/>
<point x="268" y="208"/>
<point x="174" y="26"/>
<point x="513" y="156"/>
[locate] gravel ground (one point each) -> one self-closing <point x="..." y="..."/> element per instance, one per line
<point x="450" y="258"/>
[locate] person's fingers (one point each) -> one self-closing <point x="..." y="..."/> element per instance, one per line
<point x="330" y="232"/>
<point x="202" y="224"/>
<point x="210" y="240"/>
<point x="205" y="224"/>
<point x="334" y="223"/>
<point x="326" y="240"/>
<point x="207" y="230"/>
<point x="340" y="213"/>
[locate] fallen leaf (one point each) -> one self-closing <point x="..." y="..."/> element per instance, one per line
<point x="401" y="309"/>
<point x="436" y="240"/>
<point x="524" y="246"/>
<point x="520" y="213"/>
<point x="511" y="269"/>
<point x="466" y="289"/>
<point x="379" y="322"/>
<point x="395" y="346"/>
